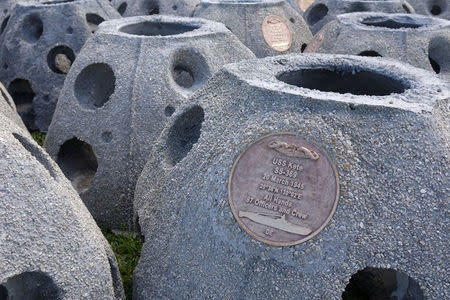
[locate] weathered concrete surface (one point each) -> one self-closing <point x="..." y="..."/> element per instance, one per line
<point x="421" y="41"/>
<point x="384" y="124"/>
<point x="51" y="247"/>
<point x="129" y="8"/>
<point x="128" y="80"/>
<point x="289" y="32"/>
<point x="8" y="108"/>
<point x="434" y="8"/>
<point x="38" y="46"/>
<point x="323" y="12"/>
<point x="300" y="5"/>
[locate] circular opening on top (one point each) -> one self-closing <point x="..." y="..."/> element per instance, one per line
<point x="158" y="28"/>
<point x="60" y="59"/>
<point x="189" y="69"/>
<point x="4" y="23"/>
<point x="94" y="85"/>
<point x="29" y="285"/>
<point x="376" y="283"/>
<point x="317" y="13"/>
<point x="370" y="53"/>
<point x="22" y="94"/>
<point x="122" y="8"/>
<point x="32" y="28"/>
<point x="183" y="134"/>
<point x="356" y="82"/>
<point x="78" y="162"/>
<point x="391" y="22"/>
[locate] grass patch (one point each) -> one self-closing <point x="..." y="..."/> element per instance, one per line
<point x="127" y="248"/>
<point x="39" y="137"/>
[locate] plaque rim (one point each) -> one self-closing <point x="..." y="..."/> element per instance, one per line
<point x="287" y="26"/>
<point x="318" y="230"/>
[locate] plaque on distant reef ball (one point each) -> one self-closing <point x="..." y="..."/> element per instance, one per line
<point x="283" y="189"/>
<point x="304" y="4"/>
<point x="276" y="33"/>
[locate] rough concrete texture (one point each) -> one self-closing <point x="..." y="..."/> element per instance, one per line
<point x="434" y="8"/>
<point x="300" y="5"/>
<point x="8" y="108"/>
<point x="51" y="247"/>
<point x="128" y="8"/>
<point x="5" y="11"/>
<point x="323" y="12"/>
<point x="38" y="46"/>
<point x="126" y="83"/>
<point x="421" y="41"/>
<point x="384" y="124"/>
<point x="289" y="32"/>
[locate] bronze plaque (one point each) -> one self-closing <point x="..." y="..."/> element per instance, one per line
<point x="276" y="33"/>
<point x="283" y="190"/>
<point x="304" y="4"/>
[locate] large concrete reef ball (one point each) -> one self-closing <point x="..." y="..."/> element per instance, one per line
<point x="267" y="27"/>
<point x="51" y="247"/>
<point x="321" y="12"/>
<point x="421" y="41"/>
<point x="125" y="84"/>
<point x="382" y="124"/>
<point x="38" y="46"/>
<point x="129" y="8"/>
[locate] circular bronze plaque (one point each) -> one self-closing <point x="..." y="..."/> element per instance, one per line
<point x="304" y="4"/>
<point x="277" y="33"/>
<point x="283" y="190"/>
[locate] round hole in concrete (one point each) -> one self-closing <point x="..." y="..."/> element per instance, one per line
<point x="32" y="28"/>
<point x="94" y="85"/>
<point x="5" y="66"/>
<point x="174" y="7"/>
<point x="151" y="7"/>
<point x="189" y="69"/>
<point x="396" y="22"/>
<point x="4" y="23"/>
<point x="370" y="53"/>
<point x="183" y="134"/>
<point x="78" y="162"/>
<point x="169" y="110"/>
<point x="304" y="47"/>
<point x="69" y="30"/>
<point x="93" y="20"/>
<point x="439" y="55"/>
<point x="22" y="94"/>
<point x="155" y="28"/>
<point x="31" y="286"/>
<point x="376" y="283"/>
<point x="437" y="7"/>
<point x="122" y="8"/>
<point x="317" y="13"/>
<point x="356" y="82"/>
<point x="60" y="59"/>
<point x="107" y="136"/>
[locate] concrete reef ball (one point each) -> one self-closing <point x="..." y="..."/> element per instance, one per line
<point x="383" y="123"/>
<point x="129" y="8"/>
<point x="421" y="41"/>
<point x="267" y="27"/>
<point x="321" y="12"/>
<point x="39" y="45"/>
<point x="51" y="247"/>
<point x="8" y="108"/>
<point x="434" y="8"/>
<point x="125" y="84"/>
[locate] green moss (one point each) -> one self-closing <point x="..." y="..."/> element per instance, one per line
<point x="127" y="248"/>
<point x="39" y="137"/>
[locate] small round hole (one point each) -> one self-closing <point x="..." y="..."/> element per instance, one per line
<point x="304" y="47"/>
<point x="22" y="94"/>
<point x="78" y="162"/>
<point x="107" y="136"/>
<point x="317" y="13"/>
<point x="122" y="8"/>
<point x="169" y="110"/>
<point x="436" y="10"/>
<point x="32" y="28"/>
<point x="174" y="7"/>
<point x="292" y="20"/>
<point x="94" y="85"/>
<point x="93" y="20"/>
<point x="60" y="59"/>
<point x="69" y="30"/>
<point x="189" y="69"/>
